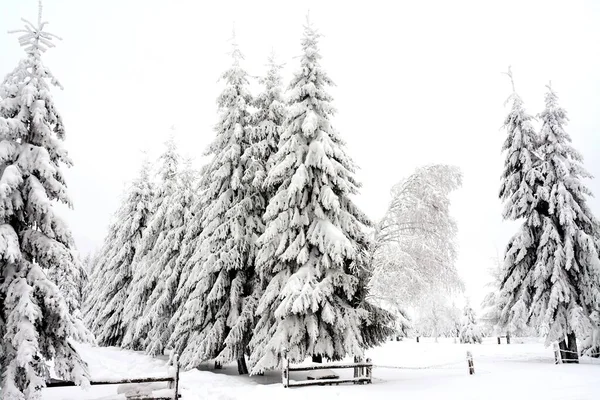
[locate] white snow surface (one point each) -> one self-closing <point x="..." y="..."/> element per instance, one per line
<point x="427" y="370"/>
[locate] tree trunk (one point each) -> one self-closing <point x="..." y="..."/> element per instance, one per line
<point x="572" y="348"/>
<point x="317" y="358"/>
<point x="507" y="338"/>
<point x="242" y="368"/>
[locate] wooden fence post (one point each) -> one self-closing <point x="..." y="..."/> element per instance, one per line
<point x="285" y="370"/>
<point x="470" y="363"/>
<point x="369" y="370"/>
<point x="507" y="337"/>
<point x="283" y="374"/>
<point x="359" y="372"/>
<point x="499" y="342"/>
<point x="176" y="377"/>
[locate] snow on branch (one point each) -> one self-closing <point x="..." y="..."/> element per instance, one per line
<point x="414" y="248"/>
<point x="34" y="38"/>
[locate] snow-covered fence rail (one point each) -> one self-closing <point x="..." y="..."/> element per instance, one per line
<point x="173" y="382"/>
<point x="362" y="374"/>
<point x="558" y="352"/>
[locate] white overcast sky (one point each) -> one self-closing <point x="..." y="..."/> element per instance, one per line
<point x="418" y="82"/>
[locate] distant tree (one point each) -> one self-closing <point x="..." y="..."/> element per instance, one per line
<point x="414" y="250"/>
<point x="454" y="321"/>
<point x="82" y="283"/>
<point x="470" y="332"/>
<point x="160" y="306"/>
<point x="110" y="282"/>
<point x="492" y="308"/>
<point x="145" y="268"/>
<point x="39" y="311"/>
<point x="434" y="316"/>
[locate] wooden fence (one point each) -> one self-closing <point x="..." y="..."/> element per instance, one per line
<point x="362" y="374"/>
<point x="507" y="336"/>
<point x="172" y="380"/>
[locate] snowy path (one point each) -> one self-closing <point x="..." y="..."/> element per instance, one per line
<point x="516" y="371"/>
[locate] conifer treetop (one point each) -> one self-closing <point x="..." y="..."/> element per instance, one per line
<point x="520" y="172"/>
<point x="512" y="81"/>
<point x="35" y="39"/>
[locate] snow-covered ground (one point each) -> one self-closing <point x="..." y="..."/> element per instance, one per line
<point x="426" y="370"/>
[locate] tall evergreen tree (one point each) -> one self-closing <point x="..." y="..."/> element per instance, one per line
<point x="186" y="263"/>
<point x="551" y="271"/>
<point x="161" y="304"/>
<point x="314" y="232"/>
<point x="566" y="274"/>
<point x="38" y="316"/>
<point x="517" y="191"/>
<point x="267" y="128"/>
<point x="146" y="271"/>
<point x="159" y="307"/>
<point x="218" y="315"/>
<point x="111" y="280"/>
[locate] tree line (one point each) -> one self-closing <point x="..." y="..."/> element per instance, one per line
<point x="262" y="254"/>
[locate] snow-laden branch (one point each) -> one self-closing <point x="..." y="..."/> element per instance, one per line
<point x="414" y="250"/>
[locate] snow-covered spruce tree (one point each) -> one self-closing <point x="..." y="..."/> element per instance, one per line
<point x="159" y="308"/>
<point x="145" y="269"/>
<point x="36" y="322"/>
<point x="470" y="332"/>
<point x="314" y="232"/>
<point x="186" y="263"/>
<point x="111" y="280"/>
<point x="517" y="191"/>
<point x="566" y="275"/>
<point x="551" y="265"/>
<point x="218" y="315"/>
